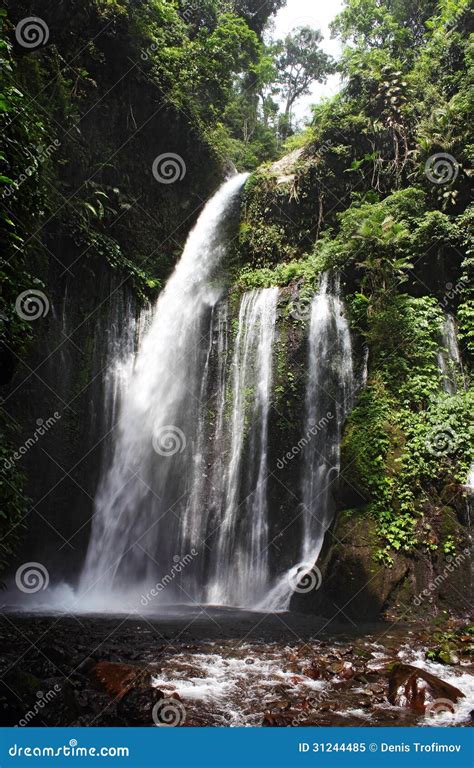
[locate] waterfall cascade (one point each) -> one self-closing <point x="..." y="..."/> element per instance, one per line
<point x="329" y="393"/>
<point x="240" y="563"/>
<point x="136" y="533"/>
<point x="187" y="474"/>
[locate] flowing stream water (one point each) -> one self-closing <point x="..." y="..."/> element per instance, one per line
<point x="449" y="356"/>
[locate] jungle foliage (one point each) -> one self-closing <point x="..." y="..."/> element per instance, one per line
<point x="365" y="196"/>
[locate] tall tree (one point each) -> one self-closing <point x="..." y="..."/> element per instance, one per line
<point x="301" y="63"/>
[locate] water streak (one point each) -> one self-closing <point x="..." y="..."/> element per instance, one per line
<point x="241" y="563"/>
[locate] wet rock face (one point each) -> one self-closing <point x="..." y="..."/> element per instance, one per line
<point x="419" y="690"/>
<point x="412" y="588"/>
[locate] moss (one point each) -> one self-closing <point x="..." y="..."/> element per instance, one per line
<point x="405" y="437"/>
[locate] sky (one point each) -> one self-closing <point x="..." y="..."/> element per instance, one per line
<point x="317" y="14"/>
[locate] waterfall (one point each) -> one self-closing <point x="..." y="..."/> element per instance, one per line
<point x="124" y="330"/>
<point x="449" y="357"/>
<point x="148" y="488"/>
<point x="182" y="503"/>
<point x="329" y="396"/>
<point x="240" y="563"/>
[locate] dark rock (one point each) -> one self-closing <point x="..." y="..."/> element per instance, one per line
<point x="136" y="706"/>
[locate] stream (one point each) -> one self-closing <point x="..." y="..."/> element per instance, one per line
<point x="223" y="667"/>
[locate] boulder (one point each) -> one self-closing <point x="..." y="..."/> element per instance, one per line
<point x="117" y="679"/>
<point x="416" y="689"/>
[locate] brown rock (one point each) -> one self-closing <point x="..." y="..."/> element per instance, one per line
<point x="117" y="678"/>
<point x="414" y="688"/>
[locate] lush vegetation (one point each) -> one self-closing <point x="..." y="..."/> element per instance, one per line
<point x="363" y="195"/>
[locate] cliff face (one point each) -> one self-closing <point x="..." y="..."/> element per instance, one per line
<point x="399" y="544"/>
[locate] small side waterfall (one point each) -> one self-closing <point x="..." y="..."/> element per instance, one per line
<point x="125" y="330"/>
<point x="329" y="396"/>
<point x="240" y="563"/>
<point x="449" y="357"/>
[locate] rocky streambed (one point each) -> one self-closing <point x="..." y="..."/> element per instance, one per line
<point x="211" y="667"/>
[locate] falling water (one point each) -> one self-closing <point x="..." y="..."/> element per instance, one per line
<point x="240" y="564"/>
<point x="449" y="357"/>
<point x="329" y="394"/>
<point x="328" y="399"/>
<point x="142" y="501"/>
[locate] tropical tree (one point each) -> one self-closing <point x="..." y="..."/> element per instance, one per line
<point x="300" y="63"/>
